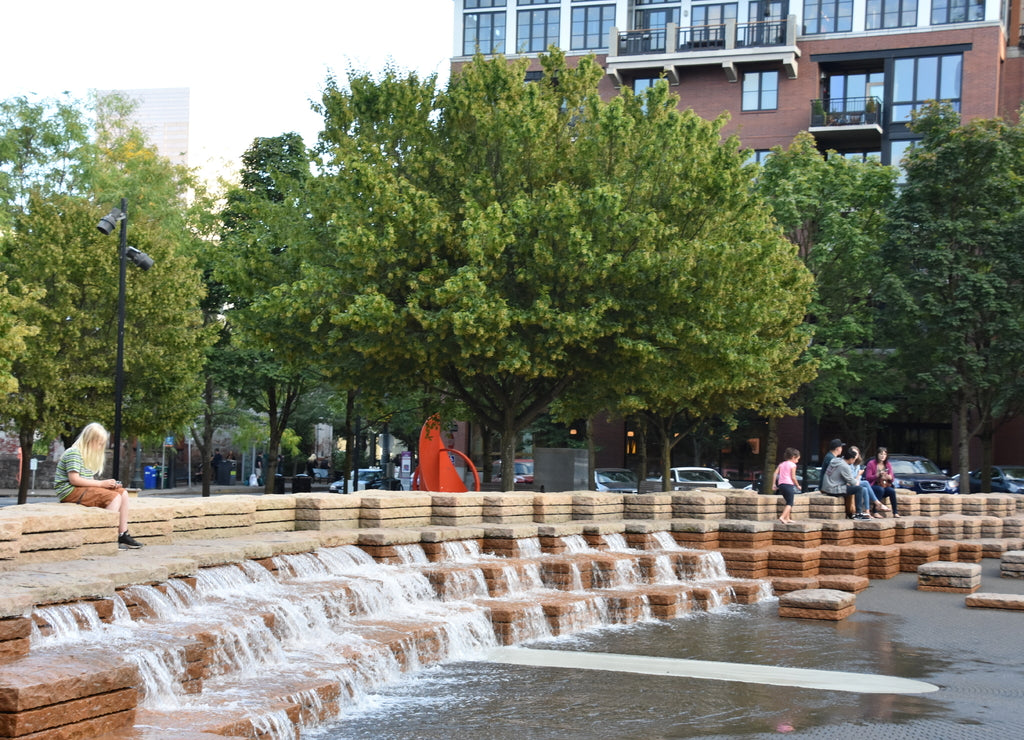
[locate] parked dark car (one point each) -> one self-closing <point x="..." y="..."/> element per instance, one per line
<point x="1005" y="479"/>
<point x="919" y="474"/>
<point x="616" y="480"/>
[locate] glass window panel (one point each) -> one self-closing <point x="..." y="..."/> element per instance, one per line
<point x="927" y="78"/>
<point x="903" y="79"/>
<point x="485" y="31"/>
<point x="951" y="74"/>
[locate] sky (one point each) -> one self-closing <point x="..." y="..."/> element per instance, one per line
<point x="252" y="68"/>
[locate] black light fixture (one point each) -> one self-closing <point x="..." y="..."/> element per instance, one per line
<point x="144" y="261"/>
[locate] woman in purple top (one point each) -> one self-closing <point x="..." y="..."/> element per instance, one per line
<point x="878" y="472"/>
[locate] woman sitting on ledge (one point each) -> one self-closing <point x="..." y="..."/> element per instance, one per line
<point x="75" y="481"/>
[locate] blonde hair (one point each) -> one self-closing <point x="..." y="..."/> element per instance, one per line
<point x="92" y="445"/>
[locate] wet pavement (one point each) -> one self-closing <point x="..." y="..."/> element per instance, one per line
<point x="974" y="656"/>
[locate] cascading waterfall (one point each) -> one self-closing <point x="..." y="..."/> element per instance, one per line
<point x="337" y="616"/>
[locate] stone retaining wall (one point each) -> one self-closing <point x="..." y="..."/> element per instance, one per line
<point x="49" y="532"/>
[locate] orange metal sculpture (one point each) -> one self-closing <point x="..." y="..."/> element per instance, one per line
<point x="436" y="471"/>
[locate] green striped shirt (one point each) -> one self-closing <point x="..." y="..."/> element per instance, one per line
<point x="71" y="460"/>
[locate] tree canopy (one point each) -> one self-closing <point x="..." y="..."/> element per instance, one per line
<point x="508" y="242"/>
<point x="834" y="210"/>
<point x="957" y="257"/>
<point x="60" y="171"/>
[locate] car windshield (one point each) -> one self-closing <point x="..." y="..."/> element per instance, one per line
<point x="915" y="467"/>
<point x="700" y="475"/>
<point x="615" y="476"/>
<point x="1013" y="473"/>
<point x="524" y="468"/>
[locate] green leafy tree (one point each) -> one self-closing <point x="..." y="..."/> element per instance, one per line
<point x="59" y="176"/>
<point x="834" y="210"/>
<point x="13" y="332"/>
<point x="509" y="242"/>
<point x="268" y="364"/>
<point x="957" y="253"/>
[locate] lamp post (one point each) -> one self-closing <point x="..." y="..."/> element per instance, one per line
<point x="143" y="261"/>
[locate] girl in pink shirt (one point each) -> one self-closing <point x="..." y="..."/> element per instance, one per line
<point x="786" y="484"/>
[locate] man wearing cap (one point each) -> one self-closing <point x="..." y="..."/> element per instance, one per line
<point x="835" y="449"/>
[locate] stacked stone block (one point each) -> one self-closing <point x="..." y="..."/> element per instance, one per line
<point x="696" y="534"/>
<point x="698" y="505"/>
<point x="820" y="506"/>
<point x="228" y="516"/>
<point x="952" y="577"/>
<point x="14" y="638"/>
<point x="597" y="506"/>
<point x="648" y="506"/>
<point x="746" y="562"/>
<point x="874" y="532"/>
<point x="552" y="508"/>
<point x="913" y="554"/>
<point x="274" y="513"/>
<point x="818" y="603"/>
<point x="508" y="508"/>
<point x="793" y="562"/>
<point x="798" y="534"/>
<point x="1011" y="565"/>
<point x="843" y="560"/>
<point x="395" y="509"/>
<point x="320" y="511"/>
<point x="457" y="509"/>
<point x="84" y="696"/>
<point x="734" y="533"/>
<point x="838" y="532"/>
<point x="752" y="506"/>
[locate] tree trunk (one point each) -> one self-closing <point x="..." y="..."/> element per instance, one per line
<point x="509" y="435"/>
<point x="963" y="444"/>
<point x="206" y="448"/>
<point x="26" y="438"/>
<point x="987" y="433"/>
<point x="351" y="422"/>
<point x="771" y="452"/>
<point x="666" y="460"/>
<point x="591" y="456"/>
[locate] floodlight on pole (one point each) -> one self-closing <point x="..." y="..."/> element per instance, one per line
<point x="144" y="261"/>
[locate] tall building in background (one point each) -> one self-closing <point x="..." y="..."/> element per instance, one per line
<point x="849" y="71"/>
<point x="163" y="114"/>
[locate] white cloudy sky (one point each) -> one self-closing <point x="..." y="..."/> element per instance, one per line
<point x="251" y="67"/>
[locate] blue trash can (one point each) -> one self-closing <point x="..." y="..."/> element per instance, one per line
<point x="149" y="477"/>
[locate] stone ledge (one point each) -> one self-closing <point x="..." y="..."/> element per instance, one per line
<point x="1013" y="602"/>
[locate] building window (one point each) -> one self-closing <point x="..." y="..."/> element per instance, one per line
<point x="828" y="16"/>
<point x="713" y="15"/>
<point x="761" y="91"/>
<point x="957" y="11"/>
<point x="591" y="26"/>
<point x="483" y="31"/>
<point x="919" y="79"/>
<point x="758" y="156"/>
<point x="474" y="4"/>
<point x="538" y="29"/>
<point x="536" y="2"/>
<point x="891" y="14"/>
<point x="850" y="93"/>
<point x="655" y="15"/>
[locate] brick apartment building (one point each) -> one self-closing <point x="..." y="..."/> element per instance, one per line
<point x="848" y="71"/>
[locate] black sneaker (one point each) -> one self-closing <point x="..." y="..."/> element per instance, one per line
<point x="126" y="542"/>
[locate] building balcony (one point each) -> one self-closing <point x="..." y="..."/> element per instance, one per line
<point x="849" y="120"/>
<point x="673" y="47"/>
